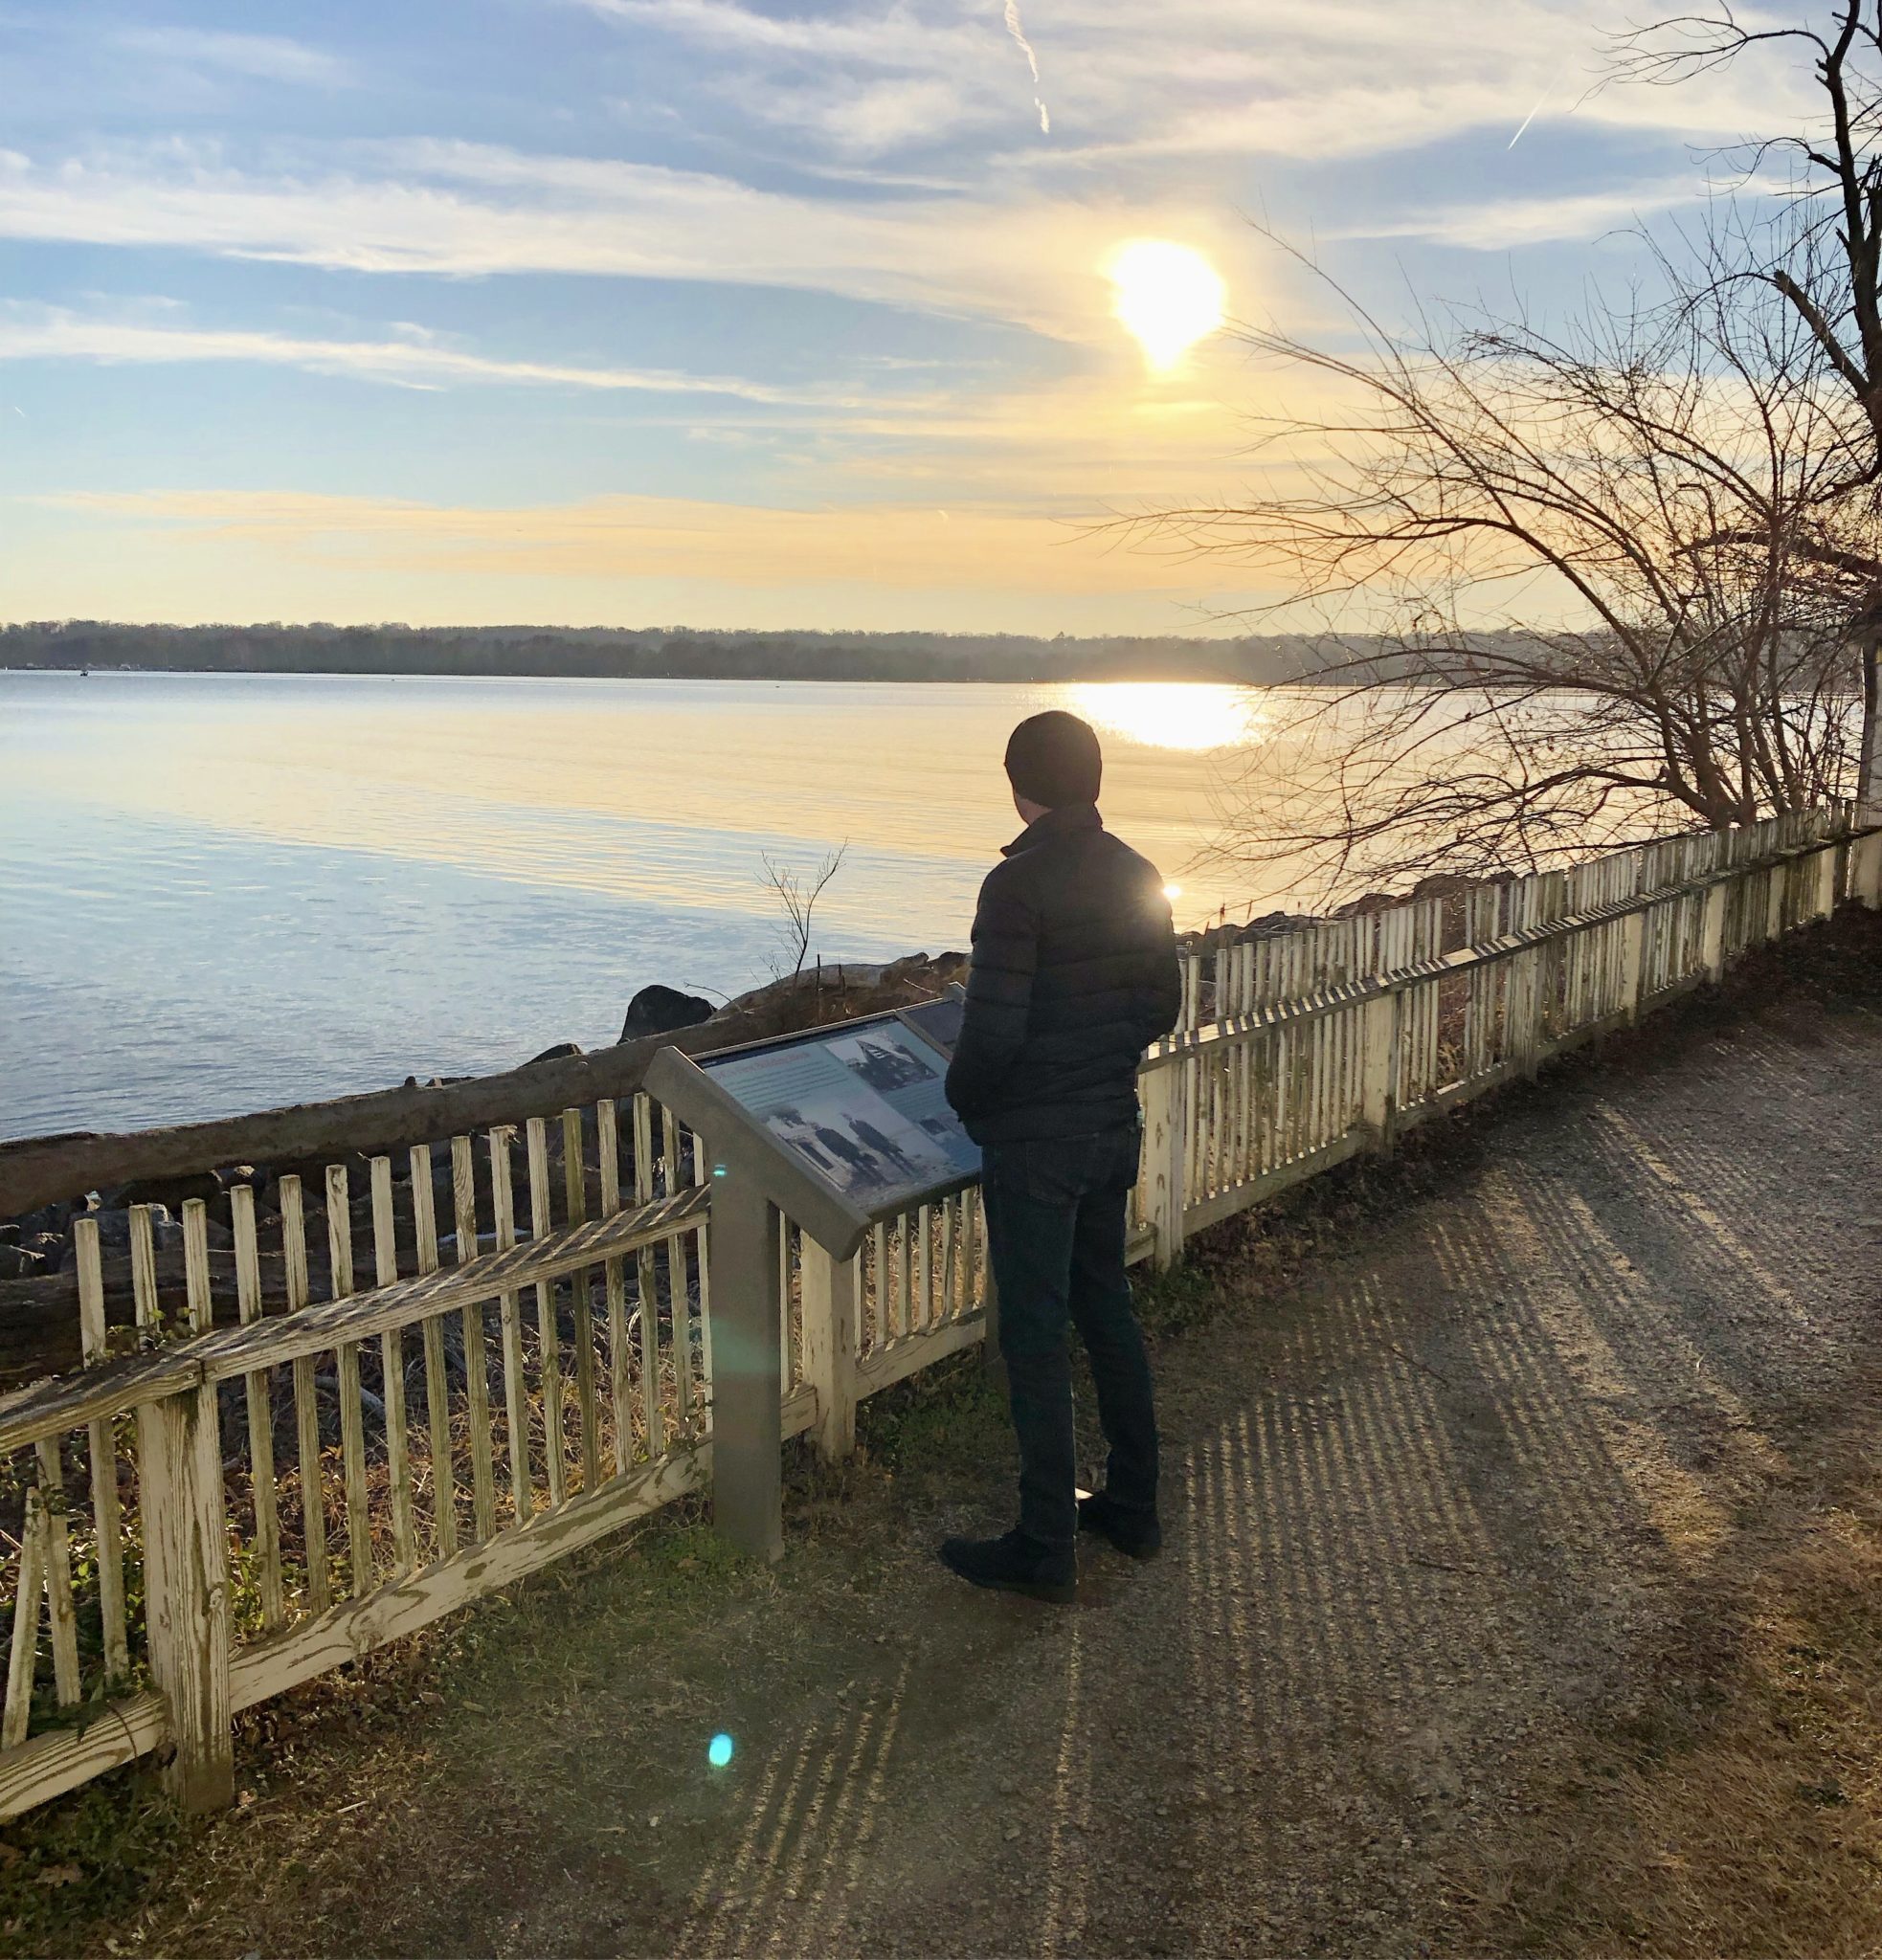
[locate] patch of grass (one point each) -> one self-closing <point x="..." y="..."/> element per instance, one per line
<point x="679" y="1565"/>
<point x="945" y="1421"/>
<point x="1177" y="1301"/>
<point x="83" y="1862"/>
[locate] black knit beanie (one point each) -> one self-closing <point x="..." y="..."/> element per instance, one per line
<point x="1053" y="759"/>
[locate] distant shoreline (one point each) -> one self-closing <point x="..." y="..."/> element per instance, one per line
<point x="682" y="654"/>
<point x="1078" y="677"/>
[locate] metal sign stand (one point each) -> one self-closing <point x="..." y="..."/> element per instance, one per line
<point x="742" y="1257"/>
<point x="757" y="1184"/>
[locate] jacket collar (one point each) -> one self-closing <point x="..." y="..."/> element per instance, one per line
<point x="1065" y="821"/>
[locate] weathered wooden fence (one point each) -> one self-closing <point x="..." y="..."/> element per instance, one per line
<point x="342" y="1405"/>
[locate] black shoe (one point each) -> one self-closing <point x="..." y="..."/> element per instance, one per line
<point x="1014" y="1563"/>
<point x="1137" y="1534"/>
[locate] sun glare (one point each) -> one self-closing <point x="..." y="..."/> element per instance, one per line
<point x="1191" y="715"/>
<point x="1167" y="294"/>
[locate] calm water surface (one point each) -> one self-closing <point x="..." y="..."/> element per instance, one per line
<point x="220" y="893"/>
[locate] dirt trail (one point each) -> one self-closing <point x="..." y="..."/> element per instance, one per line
<point x="1434" y="1512"/>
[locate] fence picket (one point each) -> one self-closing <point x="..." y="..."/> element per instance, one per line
<point x="23" y="1652"/>
<point x="705" y="1316"/>
<point x="60" y="1610"/>
<point x="352" y="1412"/>
<point x="620" y="1361"/>
<point x="476" y="1360"/>
<point x="575" y="1181"/>
<point x="549" y="1338"/>
<point x="391" y="1372"/>
<point x="509" y="1314"/>
<point x="102" y="1434"/>
<point x="307" y="1402"/>
<point x="146" y="1306"/>
<point x="680" y="1278"/>
<point x="437" y="1377"/>
<point x="260" y="1414"/>
<point x="647" y="1288"/>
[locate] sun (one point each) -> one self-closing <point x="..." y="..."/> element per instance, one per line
<point x="1168" y="296"/>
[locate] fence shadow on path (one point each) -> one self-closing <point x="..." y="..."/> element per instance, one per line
<point x="1437" y="1504"/>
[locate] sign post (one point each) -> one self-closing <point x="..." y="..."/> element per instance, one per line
<point x="835" y="1129"/>
<point x="742" y="1247"/>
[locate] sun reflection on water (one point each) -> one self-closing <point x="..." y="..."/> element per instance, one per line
<point x="1191" y="715"/>
<point x="485" y="865"/>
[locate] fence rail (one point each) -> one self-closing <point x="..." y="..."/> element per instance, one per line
<point x="309" y="1422"/>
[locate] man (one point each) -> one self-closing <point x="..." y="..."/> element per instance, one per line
<point x="867" y="1134"/>
<point x="1074" y="974"/>
<point x="861" y="1166"/>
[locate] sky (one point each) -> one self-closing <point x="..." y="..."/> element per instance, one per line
<point x="729" y="314"/>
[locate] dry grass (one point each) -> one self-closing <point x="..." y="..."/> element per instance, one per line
<point x="1739" y="1809"/>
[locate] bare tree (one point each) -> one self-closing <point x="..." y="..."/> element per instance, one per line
<point x="1652" y="475"/>
<point x="1826" y="261"/>
<point x="798" y="898"/>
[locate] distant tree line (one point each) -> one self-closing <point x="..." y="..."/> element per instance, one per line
<point x="664" y="653"/>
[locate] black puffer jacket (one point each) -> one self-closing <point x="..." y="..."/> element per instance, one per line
<point x="1075" y="975"/>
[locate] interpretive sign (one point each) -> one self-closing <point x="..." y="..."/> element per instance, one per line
<point x="842" y="1125"/>
<point x="834" y="1130"/>
<point x="859" y="1107"/>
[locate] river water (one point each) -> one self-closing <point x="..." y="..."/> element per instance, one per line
<point x="220" y="892"/>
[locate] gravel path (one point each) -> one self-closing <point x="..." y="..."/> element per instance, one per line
<point x="1431" y="1510"/>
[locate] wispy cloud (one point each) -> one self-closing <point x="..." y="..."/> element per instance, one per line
<point x="38" y="333"/>
<point x="258" y="57"/>
<point x="1071" y="449"/>
<point x="1016" y="33"/>
<point x="1291" y="77"/>
<point x="1503" y="224"/>
<point x="460" y="208"/>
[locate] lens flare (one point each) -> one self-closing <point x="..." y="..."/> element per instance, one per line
<point x="719" y="1752"/>
<point x="1169" y="296"/>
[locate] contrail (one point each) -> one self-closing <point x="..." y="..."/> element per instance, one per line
<point x="1531" y="116"/>
<point x="1018" y="33"/>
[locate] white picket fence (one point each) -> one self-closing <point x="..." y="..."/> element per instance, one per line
<point x="292" y="1447"/>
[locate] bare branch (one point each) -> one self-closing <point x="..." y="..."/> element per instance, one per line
<point x="797" y="897"/>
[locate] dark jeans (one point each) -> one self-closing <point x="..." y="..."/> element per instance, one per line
<point x="1055" y="1226"/>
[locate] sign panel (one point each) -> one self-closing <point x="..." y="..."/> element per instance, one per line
<point x="859" y="1107"/>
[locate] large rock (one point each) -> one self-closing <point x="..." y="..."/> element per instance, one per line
<point x="114" y="1226"/>
<point x="47" y="1218"/>
<point x="559" y="1053"/>
<point x="662" y="1010"/>
<point x="171" y="1192"/>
